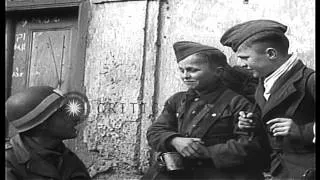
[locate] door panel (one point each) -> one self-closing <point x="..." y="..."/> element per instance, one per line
<point x="49" y="52"/>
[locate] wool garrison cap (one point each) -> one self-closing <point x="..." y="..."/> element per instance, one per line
<point x="237" y="34"/>
<point x="183" y="49"/>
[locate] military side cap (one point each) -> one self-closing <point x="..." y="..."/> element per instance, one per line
<point x="31" y="107"/>
<point x="183" y="49"/>
<point x="239" y="33"/>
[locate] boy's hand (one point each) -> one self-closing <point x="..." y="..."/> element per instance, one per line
<point x="280" y="126"/>
<point x="189" y="147"/>
<point x="245" y="120"/>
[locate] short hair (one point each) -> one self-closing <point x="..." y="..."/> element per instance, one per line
<point x="276" y="40"/>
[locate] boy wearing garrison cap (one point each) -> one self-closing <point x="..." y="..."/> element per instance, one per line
<point x="44" y="117"/>
<point x="199" y="124"/>
<point x="286" y="94"/>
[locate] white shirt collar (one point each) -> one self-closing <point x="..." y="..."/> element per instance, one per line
<point x="272" y="78"/>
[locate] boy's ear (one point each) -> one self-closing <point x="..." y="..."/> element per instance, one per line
<point x="272" y="53"/>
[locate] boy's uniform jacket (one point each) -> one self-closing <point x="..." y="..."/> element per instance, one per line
<point x="233" y="154"/>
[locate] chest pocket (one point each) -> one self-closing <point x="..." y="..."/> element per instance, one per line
<point x="217" y="121"/>
<point x="221" y="131"/>
<point x="223" y="123"/>
<point x="211" y="114"/>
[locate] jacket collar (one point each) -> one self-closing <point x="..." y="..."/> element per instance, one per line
<point x="205" y="95"/>
<point x="284" y="87"/>
<point x="259" y="94"/>
<point x="191" y="94"/>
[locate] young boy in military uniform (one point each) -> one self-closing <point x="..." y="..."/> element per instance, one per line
<point x="44" y="118"/>
<point x="285" y="95"/>
<point x="200" y="124"/>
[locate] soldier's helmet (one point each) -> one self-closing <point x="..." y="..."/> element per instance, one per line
<point x="31" y="107"/>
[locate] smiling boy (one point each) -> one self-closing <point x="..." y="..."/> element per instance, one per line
<point x="285" y="95"/>
<point x="200" y="123"/>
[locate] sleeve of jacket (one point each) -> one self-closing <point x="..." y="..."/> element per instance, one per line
<point x="165" y="127"/>
<point x="242" y="149"/>
<point x="305" y="132"/>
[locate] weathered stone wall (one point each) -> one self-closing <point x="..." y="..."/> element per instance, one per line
<point x="119" y="80"/>
<point x="131" y="68"/>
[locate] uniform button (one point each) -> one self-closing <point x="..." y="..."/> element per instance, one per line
<point x="196" y="99"/>
<point x="193" y="112"/>
<point x="194" y="125"/>
<point x="214" y="115"/>
<point x="177" y="114"/>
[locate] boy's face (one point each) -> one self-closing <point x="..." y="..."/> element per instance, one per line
<point x="196" y="72"/>
<point x="256" y="59"/>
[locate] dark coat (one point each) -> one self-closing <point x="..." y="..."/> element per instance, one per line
<point x="233" y="155"/>
<point x="292" y="96"/>
<point x="25" y="162"/>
